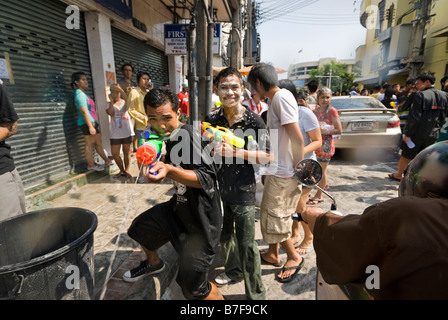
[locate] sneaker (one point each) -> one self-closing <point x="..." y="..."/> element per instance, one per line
<point x="144" y="269"/>
<point x="96" y="168"/>
<point x="222" y="279"/>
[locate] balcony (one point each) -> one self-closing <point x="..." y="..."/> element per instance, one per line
<point x="397" y="43"/>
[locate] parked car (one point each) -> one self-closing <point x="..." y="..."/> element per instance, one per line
<point x="366" y="122"/>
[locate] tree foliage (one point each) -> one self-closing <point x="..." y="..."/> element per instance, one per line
<point x="340" y="77"/>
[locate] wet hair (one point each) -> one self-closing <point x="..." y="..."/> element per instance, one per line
<point x="227" y="72"/>
<point x="426" y="77"/>
<point x="75" y="77"/>
<point x="160" y="96"/>
<point x="141" y="74"/>
<point x="288" y="85"/>
<point x="265" y="73"/>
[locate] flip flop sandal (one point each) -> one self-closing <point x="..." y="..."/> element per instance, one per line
<point x="306" y="248"/>
<point x="297" y="268"/>
<point x="270" y="263"/>
<point x="392" y="177"/>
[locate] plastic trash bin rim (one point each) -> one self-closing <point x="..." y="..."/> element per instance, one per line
<point x="56" y="253"/>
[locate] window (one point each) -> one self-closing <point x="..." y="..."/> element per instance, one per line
<point x="380" y="19"/>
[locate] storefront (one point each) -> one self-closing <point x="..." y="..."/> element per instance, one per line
<point x="42" y="54"/>
<point x="141" y="56"/>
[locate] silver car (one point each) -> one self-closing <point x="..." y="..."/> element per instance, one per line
<point x="366" y="123"/>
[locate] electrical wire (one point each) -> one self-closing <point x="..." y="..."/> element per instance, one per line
<point x="285" y="11"/>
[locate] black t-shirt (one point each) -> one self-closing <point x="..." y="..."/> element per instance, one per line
<point x="7" y="114"/>
<point x="237" y="180"/>
<point x="198" y="210"/>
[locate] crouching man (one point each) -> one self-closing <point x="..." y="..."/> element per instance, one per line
<point x="191" y="220"/>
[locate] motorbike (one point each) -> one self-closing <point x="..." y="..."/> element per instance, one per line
<point x="308" y="173"/>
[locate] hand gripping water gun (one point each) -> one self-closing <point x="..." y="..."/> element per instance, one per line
<point x="149" y="150"/>
<point x="220" y="133"/>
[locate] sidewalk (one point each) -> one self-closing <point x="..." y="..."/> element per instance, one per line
<point x="116" y="202"/>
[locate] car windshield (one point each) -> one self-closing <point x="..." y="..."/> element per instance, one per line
<point x="358" y="103"/>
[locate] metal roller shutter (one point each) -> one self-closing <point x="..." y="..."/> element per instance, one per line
<point x="143" y="57"/>
<point x="43" y="55"/>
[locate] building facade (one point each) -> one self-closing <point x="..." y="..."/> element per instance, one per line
<point x="299" y="73"/>
<point x="404" y="38"/>
<point x="43" y="42"/>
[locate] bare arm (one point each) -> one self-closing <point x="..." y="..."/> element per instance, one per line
<point x="111" y="110"/>
<point x="254" y="156"/>
<point x="316" y="141"/>
<point x="7" y="129"/>
<point x="164" y="170"/>
<point x="295" y="135"/>
<point x="85" y="114"/>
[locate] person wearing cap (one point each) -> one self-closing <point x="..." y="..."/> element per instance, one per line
<point x="121" y="130"/>
<point x="403" y="238"/>
<point x="183" y="102"/>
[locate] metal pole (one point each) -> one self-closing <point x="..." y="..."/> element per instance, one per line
<point x="192" y="65"/>
<point x="209" y="72"/>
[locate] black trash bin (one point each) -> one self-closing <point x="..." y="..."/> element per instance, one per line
<point x="48" y="255"/>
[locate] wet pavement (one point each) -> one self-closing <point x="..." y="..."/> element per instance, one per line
<point x="117" y="201"/>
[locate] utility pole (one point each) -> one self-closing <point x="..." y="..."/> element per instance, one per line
<point x="235" y="56"/>
<point x="419" y="25"/>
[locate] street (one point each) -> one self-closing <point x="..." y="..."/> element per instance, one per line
<point x="357" y="180"/>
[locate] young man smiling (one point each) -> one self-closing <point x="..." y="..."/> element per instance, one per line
<point x="191" y="220"/>
<point x="237" y="184"/>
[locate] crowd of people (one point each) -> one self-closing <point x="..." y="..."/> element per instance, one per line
<point x="214" y="202"/>
<point x="300" y="130"/>
<point x="128" y="118"/>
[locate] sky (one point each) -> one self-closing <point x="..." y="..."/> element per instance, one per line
<point x="308" y="30"/>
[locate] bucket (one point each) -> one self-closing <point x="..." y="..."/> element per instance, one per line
<point x="48" y="255"/>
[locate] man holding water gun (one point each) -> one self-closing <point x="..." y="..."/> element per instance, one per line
<point x="191" y="220"/>
<point x="237" y="181"/>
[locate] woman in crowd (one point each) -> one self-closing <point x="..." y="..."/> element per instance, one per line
<point x="121" y="130"/>
<point x="330" y="124"/>
<point x="88" y="122"/>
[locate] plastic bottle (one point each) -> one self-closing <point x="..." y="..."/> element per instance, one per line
<point x="252" y="145"/>
<point x="410" y="143"/>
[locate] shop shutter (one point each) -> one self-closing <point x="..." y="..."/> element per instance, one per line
<point x="142" y="56"/>
<point x="43" y="55"/>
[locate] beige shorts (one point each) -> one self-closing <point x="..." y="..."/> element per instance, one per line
<point x="280" y="198"/>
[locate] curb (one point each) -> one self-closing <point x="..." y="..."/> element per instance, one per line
<point x="36" y="199"/>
